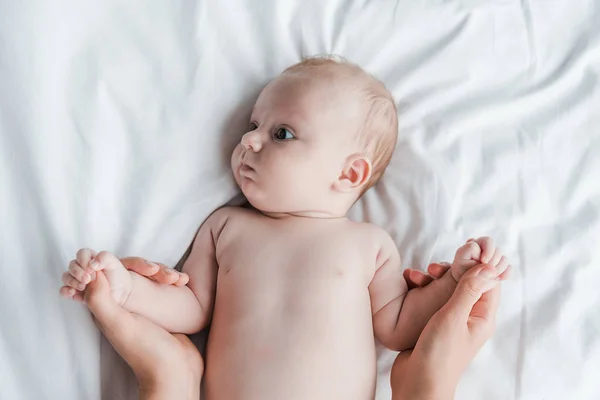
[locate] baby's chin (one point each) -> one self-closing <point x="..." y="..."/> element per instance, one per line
<point x="261" y="201"/>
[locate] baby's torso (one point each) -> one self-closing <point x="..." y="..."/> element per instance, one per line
<point x="292" y="317"/>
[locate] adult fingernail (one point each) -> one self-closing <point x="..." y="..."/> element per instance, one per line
<point x="150" y="263"/>
<point x="169" y="271"/>
<point x="487" y="273"/>
<point x="87" y="279"/>
<point x="94" y="265"/>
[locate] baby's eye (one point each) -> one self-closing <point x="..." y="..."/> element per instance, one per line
<point x="283" y="134"/>
<point x="252" y="126"/>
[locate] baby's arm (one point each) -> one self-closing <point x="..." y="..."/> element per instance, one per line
<point x="399" y="314"/>
<point x="176" y="308"/>
<point x="187" y="309"/>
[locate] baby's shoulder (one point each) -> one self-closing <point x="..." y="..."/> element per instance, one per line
<point x="373" y="234"/>
<point x="366" y="228"/>
<point x="223" y="215"/>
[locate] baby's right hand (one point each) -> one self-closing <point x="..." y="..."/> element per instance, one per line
<point x="82" y="271"/>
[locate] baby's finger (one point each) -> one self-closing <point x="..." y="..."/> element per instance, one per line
<point x="71" y="293"/>
<point x="66" y="291"/>
<point x="502" y="265"/>
<point x="70" y="281"/>
<point x="487" y="247"/>
<point x="496" y="258"/>
<point x="506" y="274"/>
<point x="84" y="256"/>
<point x="104" y="261"/>
<point x="78" y="296"/>
<point x="468" y="251"/>
<point x="79" y="273"/>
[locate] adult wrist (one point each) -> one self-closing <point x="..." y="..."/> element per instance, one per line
<point x="422" y="393"/>
<point x="419" y="382"/>
<point x="170" y="387"/>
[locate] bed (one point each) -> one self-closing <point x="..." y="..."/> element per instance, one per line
<point x="117" y="119"/>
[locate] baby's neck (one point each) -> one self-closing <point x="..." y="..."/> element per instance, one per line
<point x="303" y="214"/>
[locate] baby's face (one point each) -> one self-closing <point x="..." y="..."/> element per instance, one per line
<point x="301" y="132"/>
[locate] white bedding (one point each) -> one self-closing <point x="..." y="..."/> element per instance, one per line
<point x="117" y="118"/>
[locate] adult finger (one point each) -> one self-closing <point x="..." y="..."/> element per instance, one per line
<point x="167" y="276"/>
<point x="110" y="317"/>
<point x="482" y="321"/>
<point x="183" y="279"/>
<point x="487" y="305"/>
<point x="140" y="266"/>
<point x="415" y="278"/>
<point x="469" y="290"/>
<point x="437" y="270"/>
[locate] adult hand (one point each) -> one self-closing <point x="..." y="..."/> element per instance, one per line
<point x="415" y="278"/>
<point x="450" y="340"/>
<point x="167" y="366"/>
<point x="156" y="271"/>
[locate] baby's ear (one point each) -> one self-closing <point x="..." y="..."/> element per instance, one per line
<point x="356" y="173"/>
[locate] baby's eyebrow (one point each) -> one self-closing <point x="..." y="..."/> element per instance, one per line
<point x="252" y="111"/>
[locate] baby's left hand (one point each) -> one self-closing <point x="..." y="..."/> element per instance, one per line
<point x="478" y="251"/>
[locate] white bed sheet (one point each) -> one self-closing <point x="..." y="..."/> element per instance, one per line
<point x="116" y="120"/>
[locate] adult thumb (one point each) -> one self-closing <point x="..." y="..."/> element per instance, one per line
<point x="108" y="314"/>
<point x="473" y="284"/>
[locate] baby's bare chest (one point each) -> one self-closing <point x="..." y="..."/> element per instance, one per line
<point x="275" y="253"/>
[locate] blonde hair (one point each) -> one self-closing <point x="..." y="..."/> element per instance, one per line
<point x="379" y="131"/>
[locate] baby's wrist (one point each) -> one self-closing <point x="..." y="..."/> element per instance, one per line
<point x="454" y="272"/>
<point x="127" y="296"/>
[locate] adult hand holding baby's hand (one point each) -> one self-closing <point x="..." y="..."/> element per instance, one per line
<point x="167" y="366"/>
<point x="472" y="253"/>
<point x="450" y="340"/>
<point x="479" y="251"/>
<point x="156" y="271"/>
<point x="83" y="269"/>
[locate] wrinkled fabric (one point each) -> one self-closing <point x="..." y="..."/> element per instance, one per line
<point x="117" y="120"/>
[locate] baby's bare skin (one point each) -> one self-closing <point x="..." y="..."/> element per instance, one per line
<point x="297" y="294"/>
<point x="292" y="297"/>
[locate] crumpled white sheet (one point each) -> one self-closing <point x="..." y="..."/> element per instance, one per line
<point x="117" y="118"/>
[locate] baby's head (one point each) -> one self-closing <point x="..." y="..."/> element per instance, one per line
<point x="320" y="135"/>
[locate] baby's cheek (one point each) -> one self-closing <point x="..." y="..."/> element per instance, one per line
<point x="235" y="155"/>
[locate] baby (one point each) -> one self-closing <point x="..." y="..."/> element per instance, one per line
<point x="295" y="292"/>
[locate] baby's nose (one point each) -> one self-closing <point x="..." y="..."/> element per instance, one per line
<point x="251" y="141"/>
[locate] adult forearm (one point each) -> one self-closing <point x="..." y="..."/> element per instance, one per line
<point x="420" y="394"/>
<point x="175" y="309"/>
<point x="177" y="389"/>
<point x="418" y="307"/>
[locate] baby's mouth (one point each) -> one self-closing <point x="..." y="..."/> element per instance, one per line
<point x="245" y="167"/>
